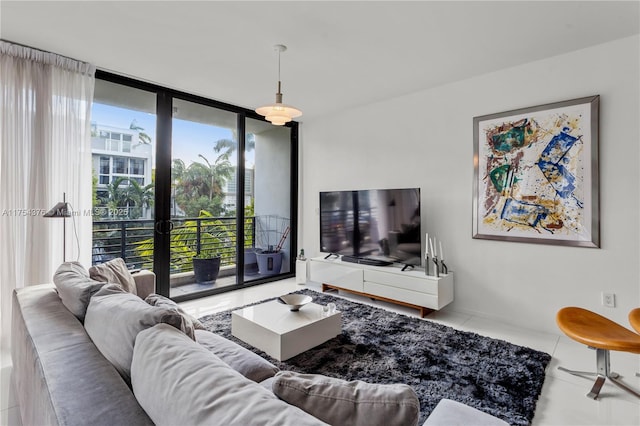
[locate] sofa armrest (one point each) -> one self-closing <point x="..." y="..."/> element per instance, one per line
<point x="59" y="376"/>
<point x="145" y="283"/>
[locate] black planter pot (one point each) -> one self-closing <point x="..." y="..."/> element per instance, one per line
<point x="206" y="270"/>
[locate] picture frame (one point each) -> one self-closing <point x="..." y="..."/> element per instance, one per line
<point x="536" y="177"/>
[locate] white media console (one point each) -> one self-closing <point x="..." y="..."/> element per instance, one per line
<point x="410" y="288"/>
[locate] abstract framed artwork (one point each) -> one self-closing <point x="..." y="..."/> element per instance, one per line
<point x="536" y="174"/>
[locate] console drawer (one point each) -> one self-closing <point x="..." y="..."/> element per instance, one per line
<point x="336" y="274"/>
<point x="421" y="284"/>
<point x="408" y="296"/>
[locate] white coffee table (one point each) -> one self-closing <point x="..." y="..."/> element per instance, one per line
<point x="281" y="333"/>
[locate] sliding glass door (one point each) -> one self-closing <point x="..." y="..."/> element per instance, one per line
<point x="201" y="192"/>
<point x="203" y="175"/>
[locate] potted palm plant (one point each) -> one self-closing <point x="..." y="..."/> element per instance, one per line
<point x="206" y="245"/>
<point x="206" y="266"/>
<point x="196" y="243"/>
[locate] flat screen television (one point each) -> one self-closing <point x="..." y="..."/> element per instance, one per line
<point x="379" y="224"/>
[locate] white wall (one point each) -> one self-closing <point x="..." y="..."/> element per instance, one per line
<point x="426" y="140"/>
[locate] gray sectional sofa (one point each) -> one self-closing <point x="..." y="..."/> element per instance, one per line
<point x="61" y="377"/>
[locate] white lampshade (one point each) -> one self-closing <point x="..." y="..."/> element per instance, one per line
<point x="279" y="113"/>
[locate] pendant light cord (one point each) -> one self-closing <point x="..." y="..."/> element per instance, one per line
<point x="279" y="48"/>
<point x="279" y="113"/>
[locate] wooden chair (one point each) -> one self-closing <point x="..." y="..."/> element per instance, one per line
<point x="603" y="335"/>
<point x="634" y="319"/>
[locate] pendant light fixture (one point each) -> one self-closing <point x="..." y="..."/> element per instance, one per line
<point x="279" y="113"/>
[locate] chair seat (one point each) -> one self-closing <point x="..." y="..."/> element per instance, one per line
<point x="597" y="331"/>
<point x="634" y="319"/>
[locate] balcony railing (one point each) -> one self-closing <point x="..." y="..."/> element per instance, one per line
<point x="132" y="240"/>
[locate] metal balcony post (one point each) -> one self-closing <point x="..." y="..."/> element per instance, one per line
<point x="198" y="228"/>
<point x="253" y="231"/>
<point x="123" y="241"/>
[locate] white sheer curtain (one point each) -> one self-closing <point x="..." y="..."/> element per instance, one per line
<point x="45" y="151"/>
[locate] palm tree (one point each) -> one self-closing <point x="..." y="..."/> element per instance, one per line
<point x="117" y="197"/>
<point x="124" y="193"/>
<point x="201" y="185"/>
<point x="216" y="174"/>
<point x="143" y="137"/>
<point x="142" y="197"/>
<point x="232" y="145"/>
<point x="178" y="170"/>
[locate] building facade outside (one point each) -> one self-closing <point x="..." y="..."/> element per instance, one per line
<point x="230" y="201"/>
<point x="119" y="153"/>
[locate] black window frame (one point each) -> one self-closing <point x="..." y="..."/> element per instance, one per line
<point x="164" y="116"/>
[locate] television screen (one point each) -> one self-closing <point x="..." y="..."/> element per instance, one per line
<point x="382" y="224"/>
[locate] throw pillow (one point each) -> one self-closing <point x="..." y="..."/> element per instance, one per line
<point x="245" y="362"/>
<point x="353" y="403"/>
<point x="114" y="272"/>
<point x="189" y="323"/>
<point x="178" y="382"/>
<point x="114" y="319"/>
<point x="75" y="288"/>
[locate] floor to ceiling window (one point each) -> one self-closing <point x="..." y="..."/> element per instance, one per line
<point x="123" y="124"/>
<point x="201" y="192"/>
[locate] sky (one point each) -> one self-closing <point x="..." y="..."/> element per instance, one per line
<point x="188" y="138"/>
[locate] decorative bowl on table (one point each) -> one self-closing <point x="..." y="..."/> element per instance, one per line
<point x="295" y="301"/>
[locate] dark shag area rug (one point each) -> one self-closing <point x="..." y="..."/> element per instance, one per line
<point x="378" y="346"/>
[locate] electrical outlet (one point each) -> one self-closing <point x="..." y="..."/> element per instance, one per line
<point x="608" y="300"/>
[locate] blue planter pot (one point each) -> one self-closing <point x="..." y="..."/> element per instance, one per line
<point x="269" y="263"/>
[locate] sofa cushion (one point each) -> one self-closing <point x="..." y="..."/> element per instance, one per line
<point x="114" y="272"/>
<point x="352" y="403"/>
<point x="179" y="382"/>
<point x="75" y="288"/>
<point x="114" y="319"/>
<point x="190" y="324"/>
<point x="245" y="362"/>
<point x="268" y="383"/>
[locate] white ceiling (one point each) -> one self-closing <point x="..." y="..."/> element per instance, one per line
<point x="341" y="54"/>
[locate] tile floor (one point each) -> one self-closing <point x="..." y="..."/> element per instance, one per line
<point x="562" y="402"/>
